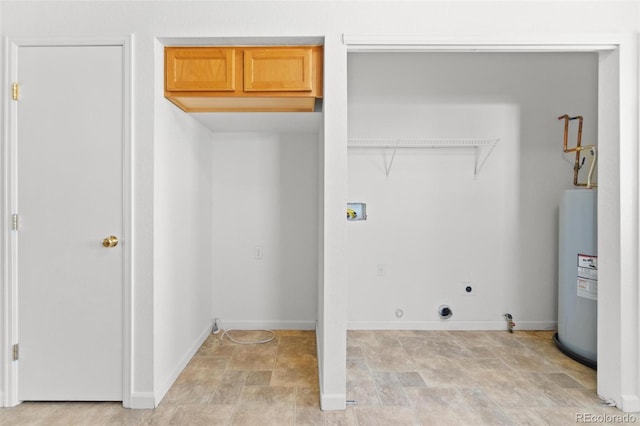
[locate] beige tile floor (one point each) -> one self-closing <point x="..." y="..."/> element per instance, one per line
<point x="393" y="377"/>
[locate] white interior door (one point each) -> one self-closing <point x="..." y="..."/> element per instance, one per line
<point x="69" y="198"/>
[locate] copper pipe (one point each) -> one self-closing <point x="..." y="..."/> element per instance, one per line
<point x="577" y="149"/>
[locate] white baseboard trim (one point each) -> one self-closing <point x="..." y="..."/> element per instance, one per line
<point x="142" y="401"/>
<point x="162" y="391"/>
<point x="332" y="402"/>
<point x="450" y="325"/>
<point x="268" y="325"/>
<point x="8" y="403"/>
<point x="328" y="402"/>
<point x="630" y="404"/>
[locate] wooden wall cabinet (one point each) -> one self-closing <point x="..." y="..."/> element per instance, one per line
<point x="243" y="78"/>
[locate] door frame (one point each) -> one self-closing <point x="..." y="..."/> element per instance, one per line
<point x="9" y="283"/>
<point x="618" y="90"/>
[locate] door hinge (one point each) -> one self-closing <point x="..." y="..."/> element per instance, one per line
<point x="16" y="352"/>
<point x="15" y="91"/>
<point x="15" y="222"/>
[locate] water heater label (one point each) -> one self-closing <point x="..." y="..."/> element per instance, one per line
<point x="586" y="261"/>
<point x="587" y="280"/>
<point x="588" y="289"/>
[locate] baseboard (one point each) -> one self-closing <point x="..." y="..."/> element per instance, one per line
<point x="449" y="325"/>
<point x="7" y="403"/>
<point x="332" y="402"/>
<point x="268" y="325"/>
<point x="162" y="391"/>
<point x="142" y="401"/>
<point x="328" y="402"/>
<point x="630" y="404"/>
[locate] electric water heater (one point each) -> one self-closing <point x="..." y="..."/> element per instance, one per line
<point x="578" y="276"/>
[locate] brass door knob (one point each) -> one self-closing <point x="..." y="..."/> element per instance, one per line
<point x="110" y="241"/>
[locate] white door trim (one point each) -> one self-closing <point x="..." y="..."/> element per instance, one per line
<point x="513" y="43"/>
<point x="8" y="285"/>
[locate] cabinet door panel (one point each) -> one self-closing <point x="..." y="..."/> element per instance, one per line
<point x="278" y="70"/>
<point x="200" y="69"/>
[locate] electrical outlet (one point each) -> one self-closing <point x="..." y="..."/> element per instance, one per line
<point x="468" y="288"/>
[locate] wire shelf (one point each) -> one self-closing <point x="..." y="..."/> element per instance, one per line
<point x="419" y="143"/>
<point x="486" y="145"/>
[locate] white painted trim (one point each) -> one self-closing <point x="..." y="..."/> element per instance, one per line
<point x="70" y="41"/>
<point x="330" y="402"/>
<point x="268" y="324"/>
<point x="10" y="196"/>
<point x="7" y="333"/>
<point x="627" y="361"/>
<point x="8" y="287"/>
<point x="142" y="400"/>
<point x="241" y="41"/>
<point x="162" y="391"/>
<point x="3" y="230"/>
<point x="4" y="311"/>
<point x="450" y="325"/>
<point x="127" y="224"/>
<point x="473" y="43"/>
<point x="630" y="404"/>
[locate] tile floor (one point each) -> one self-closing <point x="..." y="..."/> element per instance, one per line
<point x="393" y="377"/>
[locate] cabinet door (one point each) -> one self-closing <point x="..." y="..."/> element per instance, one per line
<point x="200" y="69"/>
<point x="278" y="70"/>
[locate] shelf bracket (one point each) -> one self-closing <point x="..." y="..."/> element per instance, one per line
<point x="393" y="156"/>
<point x="480" y="160"/>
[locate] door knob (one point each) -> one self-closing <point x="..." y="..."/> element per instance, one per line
<point x="110" y="241"/>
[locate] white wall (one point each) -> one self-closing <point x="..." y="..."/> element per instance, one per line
<point x="265" y="195"/>
<point x="432" y="224"/>
<point x="332" y="285"/>
<point x="454" y="22"/>
<point x="183" y="241"/>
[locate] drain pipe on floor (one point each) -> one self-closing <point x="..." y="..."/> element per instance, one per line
<point x="510" y="323"/>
